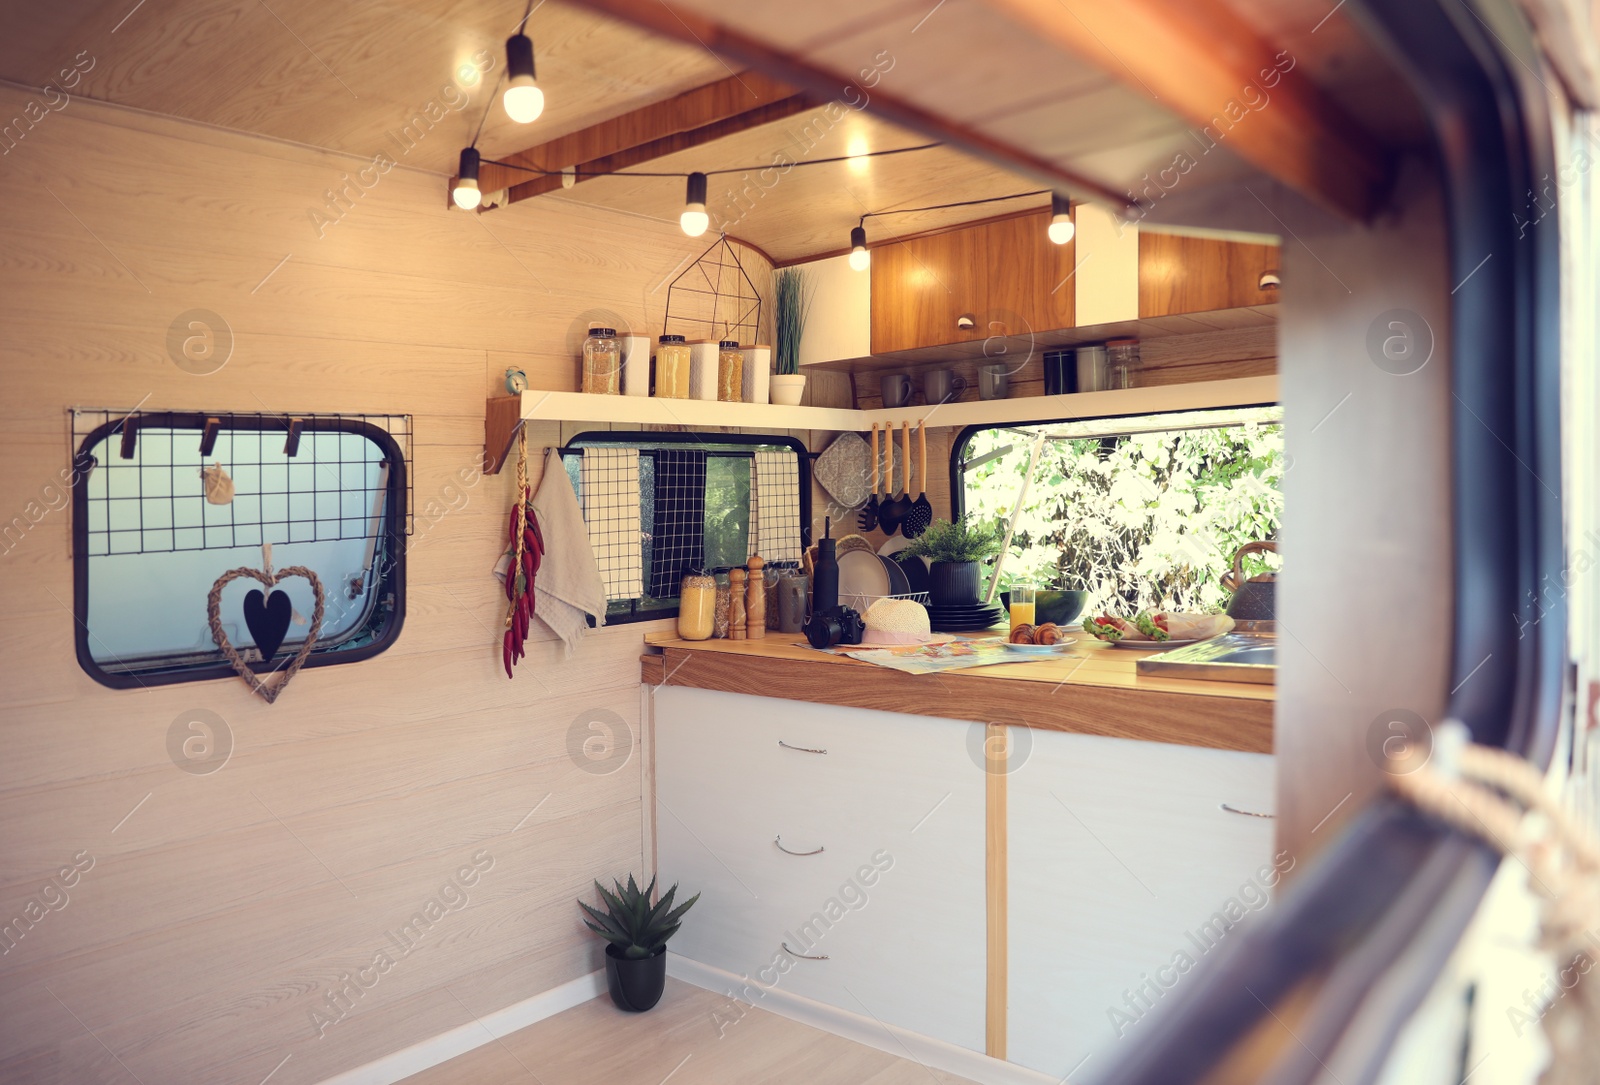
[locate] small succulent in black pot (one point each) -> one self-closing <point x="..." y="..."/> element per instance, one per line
<point x="637" y="933"/>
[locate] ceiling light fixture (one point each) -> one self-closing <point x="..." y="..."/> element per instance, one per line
<point x="465" y="193"/>
<point x="694" y="219"/>
<point x="860" y="258"/>
<point x="523" y="99"/>
<point x="1061" y="225"/>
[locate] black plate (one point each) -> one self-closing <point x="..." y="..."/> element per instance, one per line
<point x="966" y="612"/>
<point x="916" y="571"/>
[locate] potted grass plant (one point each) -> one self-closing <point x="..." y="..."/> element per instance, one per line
<point x="954" y="549"/>
<point x="636" y="934"/>
<point x="791" y="307"/>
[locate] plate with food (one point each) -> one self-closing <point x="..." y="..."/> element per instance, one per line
<point x="1040" y="649"/>
<point x="1156" y="630"/>
<point x="1048" y="636"/>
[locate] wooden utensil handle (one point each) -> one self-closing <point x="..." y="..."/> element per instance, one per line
<point x="922" y="454"/>
<point x="874" y="459"/>
<point x="905" y="450"/>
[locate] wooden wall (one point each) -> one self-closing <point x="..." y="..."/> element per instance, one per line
<point x="220" y="908"/>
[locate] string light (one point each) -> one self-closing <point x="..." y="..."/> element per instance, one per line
<point x="523" y="99"/>
<point x="1061" y="227"/>
<point x="694" y="219"/>
<point x="860" y="258"/>
<point x="466" y="194"/>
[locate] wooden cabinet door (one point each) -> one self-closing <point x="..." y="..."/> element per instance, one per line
<point x="1028" y="278"/>
<point x="1181" y="274"/>
<point x="921" y="285"/>
<point x="1119" y="857"/>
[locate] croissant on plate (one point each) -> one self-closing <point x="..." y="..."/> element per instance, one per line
<point x="1048" y="633"/>
<point x="1022" y="634"/>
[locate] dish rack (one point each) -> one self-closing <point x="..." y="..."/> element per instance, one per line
<point x="860" y="601"/>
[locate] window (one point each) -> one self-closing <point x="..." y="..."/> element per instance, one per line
<point x="1144" y="513"/>
<point x="743" y="494"/>
<point x="165" y="503"/>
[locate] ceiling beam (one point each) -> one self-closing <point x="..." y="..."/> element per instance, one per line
<point x="1202" y="61"/>
<point x="825" y="85"/>
<point x="737" y="102"/>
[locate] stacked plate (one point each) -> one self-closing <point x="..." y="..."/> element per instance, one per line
<point x="964" y="619"/>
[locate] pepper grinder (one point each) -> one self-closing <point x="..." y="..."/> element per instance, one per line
<point x="755" y="606"/>
<point x="736" y="618"/>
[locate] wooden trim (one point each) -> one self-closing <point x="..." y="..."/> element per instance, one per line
<point x="501" y="417"/>
<point x="652" y="669"/>
<point x="997" y="752"/>
<point x="1202" y="60"/>
<point x="776" y="264"/>
<point x="694" y="28"/>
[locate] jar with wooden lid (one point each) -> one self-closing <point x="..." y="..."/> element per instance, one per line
<point x="697" y="606"/>
<point x="730" y="372"/>
<point x="602" y="362"/>
<point x="672" y="367"/>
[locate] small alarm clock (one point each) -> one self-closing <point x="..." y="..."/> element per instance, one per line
<point x="516" y="381"/>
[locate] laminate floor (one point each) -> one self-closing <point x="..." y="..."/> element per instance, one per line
<point x="694" y="1037"/>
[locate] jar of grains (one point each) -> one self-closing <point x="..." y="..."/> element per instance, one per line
<point x="697" y="605"/>
<point x="672" y="368"/>
<point x="602" y="362"/>
<point x="719" y="621"/>
<point x="730" y="372"/>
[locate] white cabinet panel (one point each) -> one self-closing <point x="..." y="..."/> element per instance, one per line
<point x="1119" y="856"/>
<point x="895" y="901"/>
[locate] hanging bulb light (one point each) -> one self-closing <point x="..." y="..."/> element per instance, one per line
<point x="860" y="258"/>
<point x="1061" y="226"/>
<point x="466" y="194"/>
<point x="524" y="101"/>
<point x="694" y="219"/>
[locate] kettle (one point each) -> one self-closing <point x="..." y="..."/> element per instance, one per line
<point x="1254" y="600"/>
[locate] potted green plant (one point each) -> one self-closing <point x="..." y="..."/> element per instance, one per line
<point x="954" y="549"/>
<point x="791" y="307"/>
<point x="636" y="932"/>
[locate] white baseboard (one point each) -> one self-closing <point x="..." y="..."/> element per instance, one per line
<point x="458" y="1041"/>
<point x="863" y="1030"/>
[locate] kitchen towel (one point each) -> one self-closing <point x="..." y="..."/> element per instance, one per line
<point x="777" y="499"/>
<point x="609" y="480"/>
<point x="568" y="593"/>
<point x="678" y="537"/>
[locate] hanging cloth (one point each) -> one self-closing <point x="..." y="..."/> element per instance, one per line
<point x="679" y="538"/>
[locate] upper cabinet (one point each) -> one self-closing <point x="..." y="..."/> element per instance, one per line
<point x="1179" y="273"/>
<point x="999" y="278"/>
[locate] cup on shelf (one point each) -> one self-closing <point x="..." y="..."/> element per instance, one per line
<point x="942" y="385"/>
<point x="994" y="381"/>
<point x="896" y="389"/>
<point x="1093" y="369"/>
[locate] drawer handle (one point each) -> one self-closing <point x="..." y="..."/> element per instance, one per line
<point x="778" y="840"/>
<point x="802" y="956"/>
<point x="1246" y="813"/>
<point x="801" y="749"/>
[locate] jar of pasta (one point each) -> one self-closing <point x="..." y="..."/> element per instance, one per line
<point x="730" y="372"/>
<point x="602" y="362"/>
<point x="697" y="606"/>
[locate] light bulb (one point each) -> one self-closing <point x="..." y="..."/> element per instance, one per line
<point x="523" y="99"/>
<point x="694" y="219"/>
<point x="1061" y="225"/>
<point x="465" y="193"/>
<point x="860" y="258"/>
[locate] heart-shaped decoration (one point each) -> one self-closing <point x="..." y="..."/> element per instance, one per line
<point x="267" y="618"/>
<point x="267" y="611"/>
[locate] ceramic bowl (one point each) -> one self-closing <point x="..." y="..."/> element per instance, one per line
<point x="1053" y="605"/>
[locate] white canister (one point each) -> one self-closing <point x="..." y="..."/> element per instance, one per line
<point x="757" y="373"/>
<point x="636" y="365"/>
<point x="704" y="357"/>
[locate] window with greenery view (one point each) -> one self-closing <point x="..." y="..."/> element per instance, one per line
<point x="1143" y="513"/>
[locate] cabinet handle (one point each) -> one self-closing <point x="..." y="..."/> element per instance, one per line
<point x="1246" y="813"/>
<point x="802" y="749"/>
<point x="778" y="840"/>
<point x="802" y="956"/>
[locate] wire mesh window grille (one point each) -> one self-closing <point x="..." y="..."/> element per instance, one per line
<point x="699" y="501"/>
<point x="165" y="502"/>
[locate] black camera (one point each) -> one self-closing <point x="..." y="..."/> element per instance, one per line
<point x="836" y="625"/>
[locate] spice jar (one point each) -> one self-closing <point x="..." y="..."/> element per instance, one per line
<point x="697" y="605"/>
<point x="773" y="575"/>
<point x="1122" y="359"/>
<point x="730" y="372"/>
<point x="672" y="367"/>
<point x="719" y="624"/>
<point x="602" y="362"/>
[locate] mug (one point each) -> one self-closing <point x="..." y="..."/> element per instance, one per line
<point x="942" y="385"/>
<point x="896" y="389"/>
<point x="994" y="381"/>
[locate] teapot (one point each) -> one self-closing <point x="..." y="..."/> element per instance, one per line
<point x="1254" y="600"/>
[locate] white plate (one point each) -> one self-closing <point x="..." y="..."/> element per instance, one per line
<point x="862" y="579"/>
<point x="896" y="543"/>
<point x="1155" y="645"/>
<point x="1041" y="649"/>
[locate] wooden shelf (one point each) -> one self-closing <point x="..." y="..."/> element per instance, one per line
<point x="504" y="414"/>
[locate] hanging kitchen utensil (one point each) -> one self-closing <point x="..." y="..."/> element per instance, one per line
<point x="841" y="470"/>
<point x="1254" y="600"/>
<point x="920" y="515"/>
<point x="867" y="519"/>
<point x="894" y="510"/>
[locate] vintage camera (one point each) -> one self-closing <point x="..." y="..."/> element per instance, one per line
<point x="836" y="625"/>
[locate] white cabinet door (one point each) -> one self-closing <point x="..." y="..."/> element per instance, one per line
<point x="1120" y="856"/>
<point x="895" y="900"/>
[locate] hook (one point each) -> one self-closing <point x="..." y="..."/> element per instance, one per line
<point x="208" y="436"/>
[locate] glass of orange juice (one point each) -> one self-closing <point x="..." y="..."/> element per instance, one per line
<point x="1021" y="605"/>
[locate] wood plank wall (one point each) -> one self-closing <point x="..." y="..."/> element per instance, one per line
<point x="221" y="908"/>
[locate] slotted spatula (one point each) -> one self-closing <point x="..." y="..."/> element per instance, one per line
<point x="867" y="518"/>
<point x="920" y="515"/>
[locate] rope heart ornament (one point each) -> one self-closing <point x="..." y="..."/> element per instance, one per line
<point x="265" y="611"/>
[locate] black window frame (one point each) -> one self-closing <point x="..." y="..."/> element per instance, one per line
<point x="634" y="438"/>
<point x="390" y="558"/>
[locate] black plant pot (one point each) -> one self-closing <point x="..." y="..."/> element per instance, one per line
<point x="636" y="984"/>
<point x="953" y="583"/>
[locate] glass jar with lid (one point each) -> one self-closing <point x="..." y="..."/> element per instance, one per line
<point x="672" y="367"/>
<point x="730" y="372"/>
<point x="1122" y="362"/>
<point x="719" y="623"/>
<point x="697" y="606"/>
<point x="602" y="362"/>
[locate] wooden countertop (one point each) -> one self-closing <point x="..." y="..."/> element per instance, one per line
<point x="1093" y="689"/>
